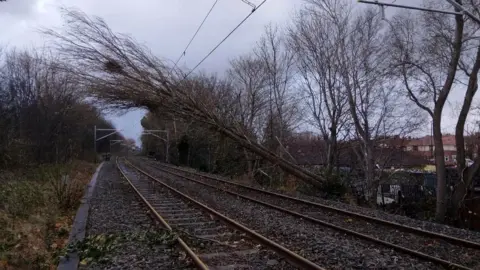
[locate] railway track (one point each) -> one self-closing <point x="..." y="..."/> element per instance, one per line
<point x="444" y="250"/>
<point x="214" y="240"/>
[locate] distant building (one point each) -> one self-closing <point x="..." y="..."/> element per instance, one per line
<point x="311" y="151"/>
<point x="424" y="147"/>
<point x="390" y="152"/>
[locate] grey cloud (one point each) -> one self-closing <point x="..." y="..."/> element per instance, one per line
<point x="165" y="26"/>
<point x="18" y="7"/>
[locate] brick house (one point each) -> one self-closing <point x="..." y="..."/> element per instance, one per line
<point x="395" y="151"/>
<point x="310" y="151"/>
<point x="424" y="147"/>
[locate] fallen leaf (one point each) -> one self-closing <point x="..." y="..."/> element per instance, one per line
<point x="54" y="245"/>
<point x="349" y="220"/>
<point x="83" y="262"/>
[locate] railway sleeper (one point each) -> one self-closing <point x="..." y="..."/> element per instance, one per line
<point x="172" y="216"/>
<point x="209" y="256"/>
<point x="196" y="224"/>
<point x="194" y="219"/>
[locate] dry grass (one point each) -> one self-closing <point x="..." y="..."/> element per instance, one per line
<point x="36" y="212"/>
<point x="290" y="184"/>
<point x="244" y="179"/>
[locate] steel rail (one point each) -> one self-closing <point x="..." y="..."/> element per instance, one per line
<point x="198" y="262"/>
<point x="447" y="238"/>
<point x="293" y="257"/>
<point x="444" y="263"/>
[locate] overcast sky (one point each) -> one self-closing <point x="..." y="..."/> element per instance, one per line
<point x="165" y="27"/>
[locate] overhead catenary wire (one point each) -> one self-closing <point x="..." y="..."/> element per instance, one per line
<point x="193" y="37"/>
<point x="225" y="38"/>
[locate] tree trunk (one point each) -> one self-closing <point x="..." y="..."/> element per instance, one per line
<point x="332" y="151"/>
<point x="329" y="168"/>
<point x="441" y="207"/>
<point x="370" y="173"/>
<point x="461" y="188"/>
<point x="249" y="163"/>
<point x="466" y="173"/>
<point x="289" y="167"/>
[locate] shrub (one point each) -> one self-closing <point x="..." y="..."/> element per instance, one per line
<point x="19" y="198"/>
<point x="334" y="188"/>
<point x="32" y="230"/>
<point x="67" y="192"/>
<point x="66" y="189"/>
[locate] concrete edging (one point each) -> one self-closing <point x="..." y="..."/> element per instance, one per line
<point x="77" y="233"/>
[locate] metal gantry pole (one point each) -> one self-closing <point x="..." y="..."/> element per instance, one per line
<point x="461" y="9"/>
<point x="384" y="4"/>
<point x="150" y="132"/>
<point x="465" y="11"/>
<point x="168" y="146"/>
<point x="95" y="139"/>
<point x="95" y="144"/>
<point x="113" y="142"/>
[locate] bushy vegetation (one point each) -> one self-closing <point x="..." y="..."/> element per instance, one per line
<point x="45" y="114"/>
<point x="100" y="248"/>
<point x="46" y="129"/>
<point x="35" y="220"/>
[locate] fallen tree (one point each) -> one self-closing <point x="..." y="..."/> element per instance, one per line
<point x="122" y="74"/>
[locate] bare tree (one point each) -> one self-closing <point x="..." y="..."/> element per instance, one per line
<point x="315" y="44"/>
<point x="247" y="75"/>
<point x="278" y="65"/>
<point x="44" y="115"/>
<point x="376" y="107"/>
<point x="282" y="114"/>
<point x="119" y="71"/>
<point x="427" y="52"/>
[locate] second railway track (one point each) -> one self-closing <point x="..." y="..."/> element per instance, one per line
<point x="447" y="251"/>
<point x="222" y="242"/>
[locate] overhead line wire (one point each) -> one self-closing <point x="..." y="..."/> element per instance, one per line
<point x="193" y="37"/>
<point x="223" y="40"/>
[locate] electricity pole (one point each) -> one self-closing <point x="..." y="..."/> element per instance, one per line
<point x="459" y="9"/>
<point x="166" y="140"/>
<point x="113" y="142"/>
<point x="95" y="139"/>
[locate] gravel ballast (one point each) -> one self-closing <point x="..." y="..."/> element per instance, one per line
<point x="470" y="235"/>
<point x="326" y="247"/>
<point x="217" y="245"/>
<point x="432" y="246"/>
<point x="117" y="213"/>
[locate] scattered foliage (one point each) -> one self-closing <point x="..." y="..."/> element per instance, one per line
<point x="35" y="222"/>
<point x="99" y="248"/>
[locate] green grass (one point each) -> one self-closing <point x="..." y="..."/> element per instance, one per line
<point x="37" y="207"/>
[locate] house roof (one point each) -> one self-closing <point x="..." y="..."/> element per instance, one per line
<point x="314" y="152"/>
<point x="428" y="140"/>
<point x="399" y="158"/>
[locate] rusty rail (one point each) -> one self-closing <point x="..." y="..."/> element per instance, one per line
<point x="183" y="245"/>
<point x="415" y="253"/>
<point x="447" y="238"/>
<point x="286" y="253"/>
